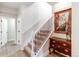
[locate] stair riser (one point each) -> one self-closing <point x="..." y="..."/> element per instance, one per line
<point x="36" y="48"/>
<point x="44" y="31"/>
<point x="29" y="45"/>
<point x="41" y="39"/>
<point x="37" y="42"/>
<point x="28" y="52"/>
<point x="42" y="34"/>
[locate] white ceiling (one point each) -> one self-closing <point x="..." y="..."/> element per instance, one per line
<point x="16" y="5"/>
<point x="12" y="7"/>
<point x="51" y="3"/>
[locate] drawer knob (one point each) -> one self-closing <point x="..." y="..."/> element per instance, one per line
<point x="64" y="44"/>
<point x="66" y="50"/>
<point x="53" y="45"/>
<point x="58" y="46"/>
<point x="53" y="41"/>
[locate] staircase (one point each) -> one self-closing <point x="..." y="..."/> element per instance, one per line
<point x="40" y="38"/>
<point x="28" y="49"/>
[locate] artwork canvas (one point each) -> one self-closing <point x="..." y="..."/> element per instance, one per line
<point x="62" y="19"/>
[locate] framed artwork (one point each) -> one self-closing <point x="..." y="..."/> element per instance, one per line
<point x="62" y="21"/>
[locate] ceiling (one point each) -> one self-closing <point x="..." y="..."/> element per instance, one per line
<point x="16" y="5"/>
<point x="51" y="3"/>
<point x="12" y="7"/>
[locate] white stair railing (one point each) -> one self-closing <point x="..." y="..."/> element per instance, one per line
<point x="44" y="43"/>
<point x="32" y="37"/>
<point x="32" y="52"/>
<point x="42" y="24"/>
<point x="27" y="34"/>
<point x="35" y="54"/>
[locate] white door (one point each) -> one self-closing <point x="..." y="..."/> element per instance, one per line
<point x="4" y="31"/>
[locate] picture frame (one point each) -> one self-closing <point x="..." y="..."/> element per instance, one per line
<point x="62" y="21"/>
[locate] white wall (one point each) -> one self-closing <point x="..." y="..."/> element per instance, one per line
<point x="33" y="17"/>
<point x="75" y="29"/>
<point x="58" y="7"/>
<point x="36" y="12"/>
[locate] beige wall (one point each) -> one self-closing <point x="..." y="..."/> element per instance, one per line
<point x="75" y="29"/>
<point x="58" y="7"/>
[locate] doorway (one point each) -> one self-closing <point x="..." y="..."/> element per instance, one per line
<point x="7" y="30"/>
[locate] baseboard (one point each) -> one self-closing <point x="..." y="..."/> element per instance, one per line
<point x="11" y="40"/>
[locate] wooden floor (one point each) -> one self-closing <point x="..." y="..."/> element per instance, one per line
<point x="8" y="50"/>
<point x="19" y="53"/>
<point x="13" y="51"/>
<point x="54" y="55"/>
<point x="23" y="54"/>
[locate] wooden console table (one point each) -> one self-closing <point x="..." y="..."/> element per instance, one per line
<point x="59" y="45"/>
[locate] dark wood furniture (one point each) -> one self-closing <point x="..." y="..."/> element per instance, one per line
<point x="61" y="46"/>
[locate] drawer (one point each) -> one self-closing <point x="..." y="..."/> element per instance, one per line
<point x="63" y="44"/>
<point x="54" y="42"/>
<point x="65" y="51"/>
<point x="54" y="46"/>
<point x="59" y="48"/>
